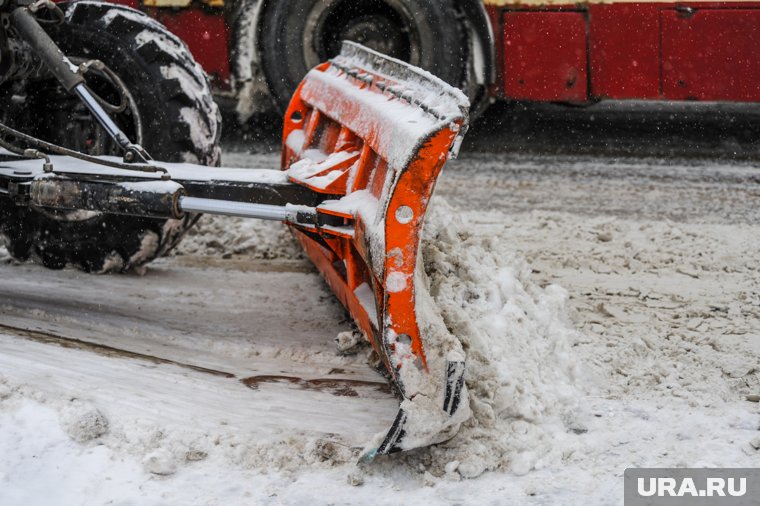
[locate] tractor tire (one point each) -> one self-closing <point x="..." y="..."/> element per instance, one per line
<point x="169" y="111"/>
<point x="299" y="34"/>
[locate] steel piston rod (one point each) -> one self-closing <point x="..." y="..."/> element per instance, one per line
<point x="241" y="209"/>
<point x="161" y="199"/>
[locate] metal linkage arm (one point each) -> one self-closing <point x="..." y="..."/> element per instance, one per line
<point x="249" y="193"/>
<point x="65" y="71"/>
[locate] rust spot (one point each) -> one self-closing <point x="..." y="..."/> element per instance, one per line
<point x="339" y="387"/>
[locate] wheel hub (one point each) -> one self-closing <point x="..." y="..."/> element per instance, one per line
<point x="382" y="26"/>
<point x="379" y="33"/>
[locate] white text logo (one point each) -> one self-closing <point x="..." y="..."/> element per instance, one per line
<point x="670" y="487"/>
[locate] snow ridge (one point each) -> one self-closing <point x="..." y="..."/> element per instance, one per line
<point x="522" y="376"/>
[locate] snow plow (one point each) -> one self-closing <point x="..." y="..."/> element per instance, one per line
<point x="365" y="137"/>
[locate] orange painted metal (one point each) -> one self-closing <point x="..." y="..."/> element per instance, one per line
<point x="402" y="237"/>
<point x="376" y="286"/>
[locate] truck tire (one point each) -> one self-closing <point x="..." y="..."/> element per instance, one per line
<point x="299" y="34"/>
<point x="169" y="111"/>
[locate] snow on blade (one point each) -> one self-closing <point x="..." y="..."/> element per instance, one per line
<point x="397" y="126"/>
<point x="398" y="133"/>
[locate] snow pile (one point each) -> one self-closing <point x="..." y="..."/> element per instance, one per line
<point x="520" y="371"/>
<point x="226" y="236"/>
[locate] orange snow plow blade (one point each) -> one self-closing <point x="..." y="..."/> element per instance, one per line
<point x="373" y="133"/>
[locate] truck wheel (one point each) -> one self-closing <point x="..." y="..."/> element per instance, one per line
<point x="168" y="109"/>
<point x="299" y="34"/>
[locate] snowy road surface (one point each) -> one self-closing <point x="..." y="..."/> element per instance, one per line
<point x="127" y="389"/>
<point x="197" y="336"/>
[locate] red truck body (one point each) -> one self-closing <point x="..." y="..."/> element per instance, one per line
<point x="672" y="51"/>
<point x="575" y="53"/>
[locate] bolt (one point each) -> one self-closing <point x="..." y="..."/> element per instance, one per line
<point x="404" y="214"/>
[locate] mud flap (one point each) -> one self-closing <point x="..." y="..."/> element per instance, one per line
<point x="372" y="133"/>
